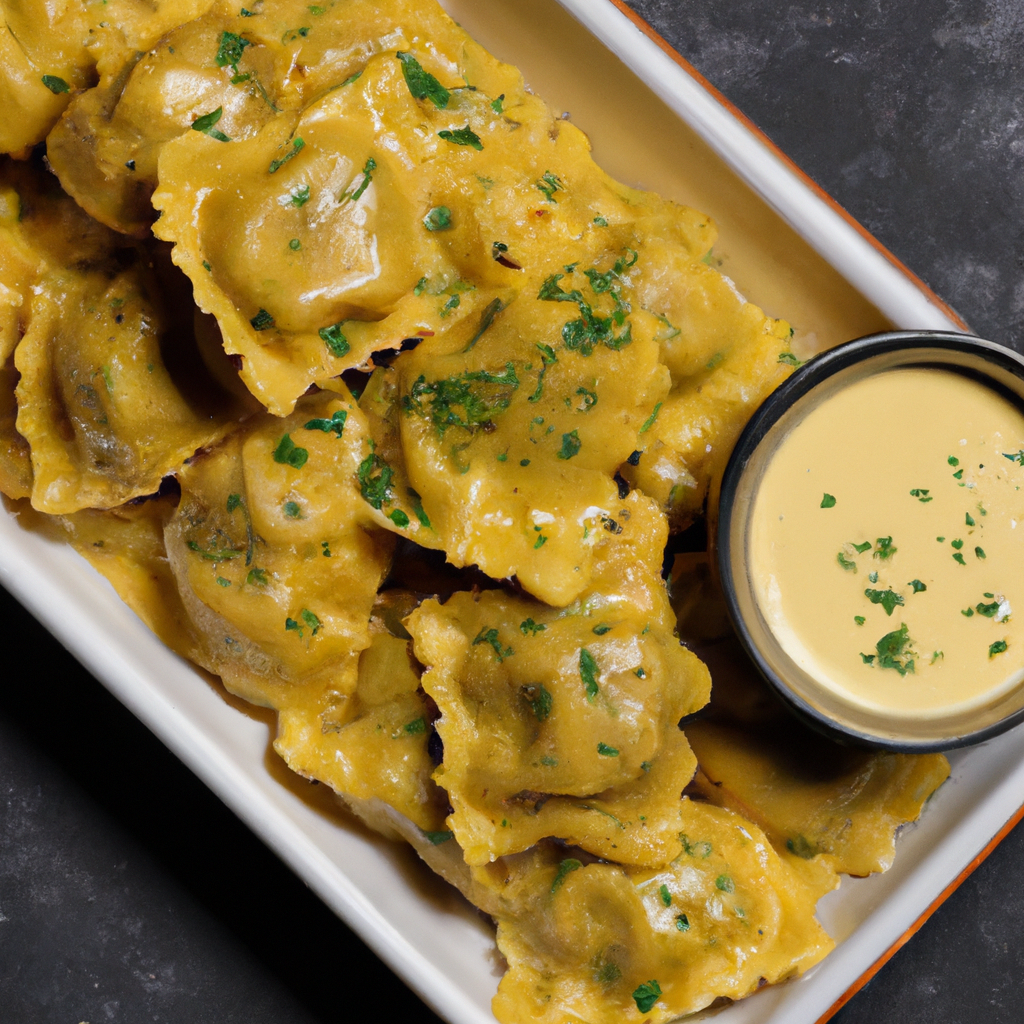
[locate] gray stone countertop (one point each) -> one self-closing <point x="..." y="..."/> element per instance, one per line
<point x="129" y="894"/>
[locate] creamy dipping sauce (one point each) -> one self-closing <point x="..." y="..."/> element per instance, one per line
<point x="886" y="545"/>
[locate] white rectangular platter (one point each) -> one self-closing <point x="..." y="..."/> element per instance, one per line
<point x="654" y="124"/>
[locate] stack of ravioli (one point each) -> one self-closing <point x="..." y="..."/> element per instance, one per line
<point x="328" y="344"/>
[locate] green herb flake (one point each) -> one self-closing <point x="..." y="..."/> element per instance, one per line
<point x="335" y="425"/>
<point x="884" y="549"/>
<point x="295" y="245"/>
<point x="967" y="612"/>
<point x="571" y="445"/>
<point x="917" y="586"/>
<point x="979" y="553"/>
<point x="725" y="884"/>
<point x="467" y="401"/>
<point x="221" y="582"/>
<point x="651" y="420"/>
<point x="422" y="84"/>
<point x="953" y="461"/>
<point x="790" y="360"/>
<point x="438" y="219"/>
<point x="351" y="79"/>
<point x="683" y="923"/>
<point x="549" y="762"/>
<point x="646" y="995"/>
<point x="497" y="105"/>
<point x="894" y="651"/>
<point x="957" y="557"/>
<point x="311" y="620"/>
<point x="375" y="477"/>
<point x="416" y="727"/>
<point x="868" y="659"/>
<point x="275" y="165"/>
<point x="859" y="619"/>
<point x="336" y="342"/>
<point x="262" y="321"/>
<point x="589" y="673"/>
<point x="549" y="184"/>
<point x="828" y="501"/>
<point x="861" y="548"/>
<point x="55" y="84"/>
<point x="229" y="53"/>
<point x="257" y="577"/>
<point x="540" y="700"/>
<point x="605" y="751"/>
<point x="292" y="509"/>
<point x="846" y="563"/>
<point x="988" y="610"/>
<point x="997" y="648"/>
<point x="565" y="868"/>
<point x="666" y="896"/>
<point x="888" y="599"/>
<point x="289" y="454"/>
<point x="490" y="637"/>
<point x="601" y="629"/>
<point x="399" y="518"/>
<point x="437" y="838"/>
<point x="921" y="494"/>
<point x="530" y="628"/>
<point x="801" y="847"/>
<point x="1018" y="457"/>
<point x="601" y="222"/>
<point x="958" y="475"/>
<point x="417" y="507"/>
<point x="462" y="137"/>
<point x="206" y="122"/>
<point x="297" y="197"/>
<point x="958" y="544"/>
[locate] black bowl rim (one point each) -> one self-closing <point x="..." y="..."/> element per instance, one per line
<point x="807" y="377"/>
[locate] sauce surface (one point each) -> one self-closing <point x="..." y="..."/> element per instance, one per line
<point x="886" y="547"/>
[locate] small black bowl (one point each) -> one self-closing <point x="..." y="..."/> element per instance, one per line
<point x="991" y="364"/>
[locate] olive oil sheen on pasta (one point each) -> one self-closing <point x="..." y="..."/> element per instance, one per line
<point x="887" y="543"/>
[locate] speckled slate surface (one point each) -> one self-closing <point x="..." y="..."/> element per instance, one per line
<point x="128" y="894"/>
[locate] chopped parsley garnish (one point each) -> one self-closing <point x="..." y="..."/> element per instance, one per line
<point x="375" y="477"/>
<point x="289" y="454"/>
<point x="683" y="923"/>
<point x="467" y="401"/>
<point x="297" y="197"/>
<point x="988" y="610"/>
<point x="701" y="847"/>
<point x="221" y="582"/>
<point x="399" y="518"/>
<point x="997" y="648"/>
<point x="422" y="84"/>
<point x="462" y="137"/>
<point x="958" y="475"/>
<point x="884" y="549"/>
<point x="917" y="586"/>
<point x="859" y="619"/>
<point x="262" y="321"/>
<point x="531" y="628"/>
<point x="57" y="85"/>
<point x="888" y="599"/>
<point x="589" y="399"/>
<point x="666" y="896"/>
<point x="789" y="359"/>
<point x="206" y="122"/>
<point x="828" y="501"/>
<point x="846" y="563"/>
<point x="549" y="184"/>
<point x="953" y="461"/>
<point x="601" y="628"/>
<point x="490" y="636"/>
<point x="588" y="673"/>
<point x="547" y="355"/>
<point x="601" y="222"/>
<point x="438" y="219"/>
<point x="292" y="509"/>
<point x="416" y="727"/>
<point x="894" y="651"/>
<point x="311" y="621"/>
<point x="497" y="105"/>
<point x="257" y="576"/>
<point x="968" y="519"/>
<point x="540" y="700"/>
<point x="540" y="542"/>
<point x="295" y="245"/>
<point x="571" y="445"/>
<point x="567" y="867"/>
<point x="335" y="425"/>
<point x="494" y="307"/>
<point x="958" y="544"/>
<point x="351" y="79"/>
<point x="957" y="557"/>
<point x="368" y="168"/>
<point x="801" y="847"/>
<point x="336" y="342"/>
<point x="979" y="552"/>
<point x="968" y="613"/>
<point x="651" y="420"/>
<point x="230" y="50"/>
<point x="605" y="751"/>
<point x="275" y="165"/>
<point x="437" y="838"/>
<point x="921" y="494"/>
<point x="417" y="507"/>
<point x="646" y="995"/>
<point x="873" y="577"/>
<point x="1018" y="458"/>
<point x="861" y="548"/>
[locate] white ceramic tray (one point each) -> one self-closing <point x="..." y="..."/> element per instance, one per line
<point x="655" y="123"/>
